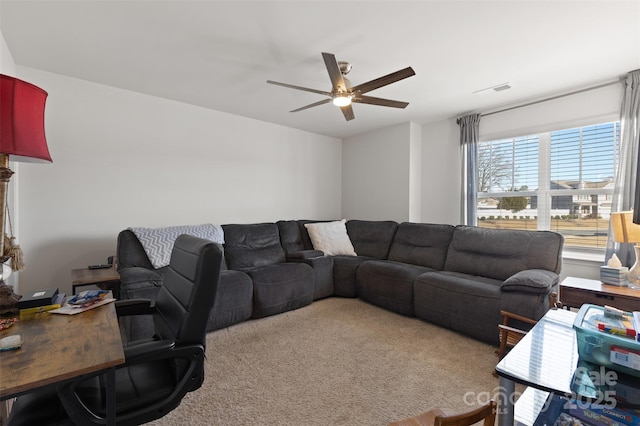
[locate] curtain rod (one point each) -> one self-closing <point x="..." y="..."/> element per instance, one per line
<point x="575" y="92"/>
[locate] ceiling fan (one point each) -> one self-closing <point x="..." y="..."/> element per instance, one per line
<point x="342" y="94"/>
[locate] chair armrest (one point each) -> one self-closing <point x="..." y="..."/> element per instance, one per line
<point x="128" y="307"/>
<point x="304" y="254"/>
<point x="512" y="329"/>
<point x="146" y="351"/>
<point x="510" y="315"/>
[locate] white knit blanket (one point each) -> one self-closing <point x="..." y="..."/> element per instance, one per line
<point x="158" y="242"/>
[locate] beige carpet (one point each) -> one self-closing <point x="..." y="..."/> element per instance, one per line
<point x="335" y="362"/>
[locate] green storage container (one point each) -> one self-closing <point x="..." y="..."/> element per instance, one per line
<point x="613" y="351"/>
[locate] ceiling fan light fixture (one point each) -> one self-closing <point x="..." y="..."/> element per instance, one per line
<point x="343" y="94"/>
<point x="342" y="99"/>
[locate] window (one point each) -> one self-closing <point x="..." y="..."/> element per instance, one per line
<point x="560" y="181"/>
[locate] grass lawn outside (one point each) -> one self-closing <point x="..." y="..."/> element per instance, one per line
<point x="589" y="233"/>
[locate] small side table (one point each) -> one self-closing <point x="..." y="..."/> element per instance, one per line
<point x="574" y="292"/>
<point x="105" y="279"/>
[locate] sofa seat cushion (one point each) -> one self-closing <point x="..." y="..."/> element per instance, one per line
<point x="234" y="301"/>
<point x="281" y="287"/>
<point x="344" y="274"/>
<point x="465" y="303"/>
<point x="388" y="284"/>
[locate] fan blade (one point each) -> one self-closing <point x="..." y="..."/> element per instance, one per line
<point x="306" y="89"/>
<point x="383" y="81"/>
<point x="337" y="82"/>
<point x="324" y="101"/>
<point x="348" y="112"/>
<point x="379" y="101"/>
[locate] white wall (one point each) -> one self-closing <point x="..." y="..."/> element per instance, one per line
<point x="406" y="172"/>
<point x="441" y="174"/>
<point x="125" y="159"/>
<point x="376" y="170"/>
<point x="7" y="65"/>
<point x="415" y="172"/>
<point x="585" y="108"/>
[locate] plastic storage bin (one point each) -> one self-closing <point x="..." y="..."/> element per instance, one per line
<point x="619" y="353"/>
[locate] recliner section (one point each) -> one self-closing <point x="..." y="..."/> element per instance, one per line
<point x="278" y="285"/>
<point x="416" y="248"/>
<point x="371" y="241"/>
<point x="458" y="277"/>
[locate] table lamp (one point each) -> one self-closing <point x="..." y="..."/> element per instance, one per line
<point x="625" y="231"/>
<point x="22" y="138"/>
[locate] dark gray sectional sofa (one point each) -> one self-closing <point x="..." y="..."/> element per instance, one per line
<point x="458" y="277"/>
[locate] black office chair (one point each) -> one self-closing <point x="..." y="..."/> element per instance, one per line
<point x="157" y="372"/>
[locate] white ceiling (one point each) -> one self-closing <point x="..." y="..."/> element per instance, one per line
<point x="219" y="54"/>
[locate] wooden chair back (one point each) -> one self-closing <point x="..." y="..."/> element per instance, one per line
<point x="486" y="412"/>
<point x="437" y="417"/>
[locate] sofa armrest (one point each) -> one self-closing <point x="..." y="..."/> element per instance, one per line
<point x="136" y="282"/>
<point x="304" y="254"/>
<point x="536" y="281"/>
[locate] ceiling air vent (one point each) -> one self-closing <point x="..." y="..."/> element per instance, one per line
<point x="497" y="88"/>
<point x="502" y="87"/>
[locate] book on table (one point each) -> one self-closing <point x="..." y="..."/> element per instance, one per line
<point x="560" y="411"/>
<point x="58" y="302"/>
<point x="38" y="298"/>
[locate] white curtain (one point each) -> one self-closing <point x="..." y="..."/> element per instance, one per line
<point x="469" y="135"/>
<point x="626" y="173"/>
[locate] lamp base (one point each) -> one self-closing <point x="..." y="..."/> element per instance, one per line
<point x="634" y="273"/>
<point x="8" y="300"/>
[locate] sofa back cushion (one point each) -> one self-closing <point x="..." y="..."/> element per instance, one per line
<point x="422" y="244"/>
<point x="500" y="253"/>
<point x="130" y="252"/>
<point x="294" y="236"/>
<point x="252" y="245"/>
<point x="371" y="238"/>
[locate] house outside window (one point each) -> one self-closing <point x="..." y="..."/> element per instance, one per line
<point x="559" y="180"/>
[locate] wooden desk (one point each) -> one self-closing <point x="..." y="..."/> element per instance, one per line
<point x="58" y="348"/>
<point x="574" y="292"/>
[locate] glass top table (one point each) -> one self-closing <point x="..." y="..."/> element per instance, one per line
<point x="546" y="360"/>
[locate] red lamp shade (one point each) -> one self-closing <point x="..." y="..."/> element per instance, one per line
<point x="22" y="120"/>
